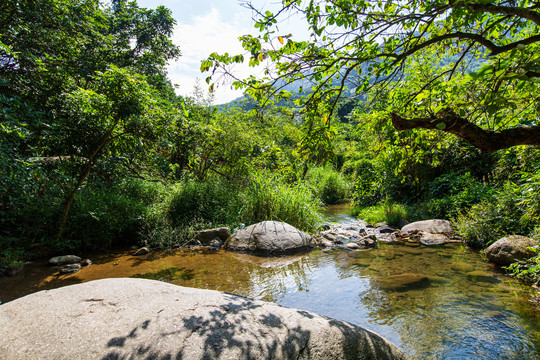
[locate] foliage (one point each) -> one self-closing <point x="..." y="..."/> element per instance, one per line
<point x="391" y="213"/>
<point x="494" y="218"/>
<point x="367" y="186"/>
<point x="423" y="51"/>
<point x="328" y="185"/>
<point x="452" y="193"/>
<point x="267" y="198"/>
<point x="216" y="202"/>
<point x="528" y="269"/>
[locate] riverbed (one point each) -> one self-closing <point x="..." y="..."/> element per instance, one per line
<point x="450" y="313"/>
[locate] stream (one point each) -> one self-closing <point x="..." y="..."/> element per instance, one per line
<point x="462" y="307"/>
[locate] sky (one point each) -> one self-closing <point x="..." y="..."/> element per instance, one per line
<point x="207" y="26"/>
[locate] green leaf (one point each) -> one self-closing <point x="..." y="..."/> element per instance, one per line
<point x="441" y="126"/>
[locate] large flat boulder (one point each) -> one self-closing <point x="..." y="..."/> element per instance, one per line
<point x="269" y="238"/>
<point x="147" y="319"/>
<point x="510" y="249"/>
<point x="435" y="226"/>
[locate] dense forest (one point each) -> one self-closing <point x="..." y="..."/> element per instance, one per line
<point x="98" y="151"/>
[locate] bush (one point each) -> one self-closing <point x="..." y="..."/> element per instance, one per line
<point x="214" y="201"/>
<point x="101" y="217"/>
<point x="492" y="219"/>
<point x="367" y="186"/>
<point x="451" y="194"/>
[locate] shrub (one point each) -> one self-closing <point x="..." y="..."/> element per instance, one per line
<point x="101" y="217"/>
<point x="452" y="193"/>
<point x="368" y="189"/>
<point x="214" y="201"/>
<point x="492" y="219"/>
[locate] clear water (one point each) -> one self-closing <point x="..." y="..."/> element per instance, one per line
<point x="433" y="302"/>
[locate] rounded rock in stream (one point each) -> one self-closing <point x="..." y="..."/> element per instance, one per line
<point x="510" y="249"/>
<point x="404" y="282"/>
<point x="270" y="238"/>
<point x="435" y="226"/>
<point x="64" y="260"/>
<point x="143" y="319"/>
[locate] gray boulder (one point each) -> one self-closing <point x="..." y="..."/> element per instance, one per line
<point x="386" y="229"/>
<point x="70" y="269"/>
<point x="215" y="244"/>
<point x="206" y="236"/>
<point x="325" y="243"/>
<point x="510" y="249"/>
<point x="64" y="260"/>
<point x="429" y="226"/>
<point x="147" y="319"/>
<point x="269" y="238"/>
<point x="434" y="239"/>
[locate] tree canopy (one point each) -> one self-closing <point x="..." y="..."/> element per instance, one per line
<point x="470" y="68"/>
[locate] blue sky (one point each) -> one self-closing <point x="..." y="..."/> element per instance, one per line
<point x="206" y="26"/>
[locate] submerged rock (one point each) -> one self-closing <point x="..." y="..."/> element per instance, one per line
<point x="482" y="276"/>
<point x="404" y="282"/>
<point x="270" y="238"/>
<point x="410" y="250"/>
<point x="64" y="260"/>
<point x="462" y="267"/>
<point x="510" y="249"/>
<point x="429" y="226"/>
<point x="143" y="319"/>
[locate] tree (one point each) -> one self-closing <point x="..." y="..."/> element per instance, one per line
<point x="483" y="57"/>
<point x="79" y="80"/>
<point x="115" y="109"/>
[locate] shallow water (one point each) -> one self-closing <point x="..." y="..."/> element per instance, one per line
<point x="420" y="298"/>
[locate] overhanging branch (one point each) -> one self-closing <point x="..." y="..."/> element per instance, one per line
<point x="485" y="140"/>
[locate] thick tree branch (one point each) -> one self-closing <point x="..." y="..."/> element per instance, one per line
<point x="495" y="49"/>
<point x="487" y="141"/>
<point x="523" y="13"/>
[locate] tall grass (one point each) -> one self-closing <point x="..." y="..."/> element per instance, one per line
<point x="328" y="185"/>
<point x="266" y="198"/>
<point x="216" y="202"/>
<point x="387" y="211"/>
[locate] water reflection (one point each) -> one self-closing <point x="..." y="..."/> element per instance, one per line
<point x="424" y="299"/>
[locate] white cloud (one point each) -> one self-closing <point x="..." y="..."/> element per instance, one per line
<point x="197" y="39"/>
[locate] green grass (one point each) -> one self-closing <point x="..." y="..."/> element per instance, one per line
<point x="388" y="212"/>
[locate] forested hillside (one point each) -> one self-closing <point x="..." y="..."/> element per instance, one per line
<point x="98" y="151"/>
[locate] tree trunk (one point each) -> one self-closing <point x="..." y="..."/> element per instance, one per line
<point x="82" y="177"/>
